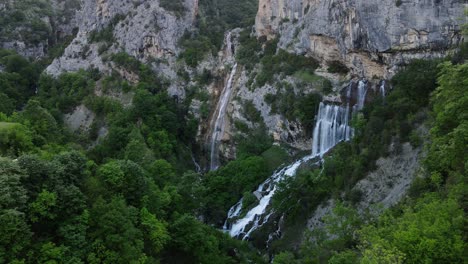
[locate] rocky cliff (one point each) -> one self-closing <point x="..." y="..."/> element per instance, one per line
<point x="33" y="27"/>
<point x="142" y="29"/>
<point x="372" y="38"/>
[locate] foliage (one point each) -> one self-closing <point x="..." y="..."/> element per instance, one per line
<point x="248" y="52"/>
<point x="106" y="34"/>
<point x="337" y="67"/>
<point x="429" y="231"/>
<point x="282" y="62"/>
<point x="227" y="185"/>
<point x="427" y="228"/>
<point x="120" y="200"/>
<point x="14" y="139"/>
<point x="66" y="92"/>
<point x="215" y="18"/>
<point x="17" y="80"/>
<point x="295" y="106"/>
<point x="147" y="78"/>
<point x="255" y="143"/>
<point x="251" y="112"/>
<point x="195" y="49"/>
<point x="176" y="6"/>
<point x="23" y="19"/>
<point x="448" y="153"/>
<point x="275" y="157"/>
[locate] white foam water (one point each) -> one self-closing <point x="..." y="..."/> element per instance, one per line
<point x="331" y="128"/>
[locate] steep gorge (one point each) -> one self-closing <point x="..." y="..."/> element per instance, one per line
<point x="308" y="119"/>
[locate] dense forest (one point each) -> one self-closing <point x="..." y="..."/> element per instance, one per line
<point x="134" y="196"/>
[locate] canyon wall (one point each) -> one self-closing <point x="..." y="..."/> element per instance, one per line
<point x="372" y="38"/>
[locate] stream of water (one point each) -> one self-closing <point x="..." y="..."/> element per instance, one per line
<point x="220" y="112"/>
<point x="331" y="127"/>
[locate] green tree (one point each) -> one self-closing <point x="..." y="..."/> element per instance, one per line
<point x="8" y="104"/>
<point x="194" y="242"/>
<point x="41" y="122"/>
<point x="284" y="257"/>
<point x="73" y="234"/>
<point x="429" y="232"/>
<point x="114" y="232"/>
<point x="15" y="235"/>
<point x="50" y="253"/>
<point x="450" y="131"/>
<point x="380" y="251"/>
<point x="154" y="230"/>
<point x="12" y="193"/>
<point x="14" y="139"/>
<point x="342" y="225"/>
<point x="43" y="207"/>
<point x="344" y="257"/>
<point x="162" y="172"/>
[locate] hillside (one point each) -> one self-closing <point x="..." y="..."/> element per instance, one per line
<point x="217" y="131"/>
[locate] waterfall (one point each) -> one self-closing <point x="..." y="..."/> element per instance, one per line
<point x="382" y="89"/>
<point x="361" y="95"/>
<point x="220" y="113"/>
<point x="331" y="128"/>
<point x="218" y="129"/>
<point x="233" y="212"/>
<point x="243" y="227"/>
<point x="195" y="163"/>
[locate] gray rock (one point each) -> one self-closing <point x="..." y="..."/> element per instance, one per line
<point x="373" y="38"/>
<point x="380" y="189"/>
<point x="145" y="31"/>
<point x="80" y="119"/>
<point x="57" y="16"/>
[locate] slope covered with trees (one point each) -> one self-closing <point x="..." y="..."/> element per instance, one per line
<point x="130" y="194"/>
<point x="429" y="225"/>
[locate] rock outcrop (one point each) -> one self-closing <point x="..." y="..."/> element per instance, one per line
<point x="31" y="28"/>
<point x="380" y="189"/>
<point x="372" y="38"/>
<point x="142" y="29"/>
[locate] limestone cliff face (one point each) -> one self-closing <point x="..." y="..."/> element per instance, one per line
<point x="31" y="28"/>
<point x="143" y="29"/>
<point x="373" y="38"/>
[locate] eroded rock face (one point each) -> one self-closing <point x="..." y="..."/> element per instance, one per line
<point x="80" y="119"/>
<point x="380" y="189"/>
<point x="31" y="28"/>
<point x="373" y="38"/>
<point x="142" y="29"/>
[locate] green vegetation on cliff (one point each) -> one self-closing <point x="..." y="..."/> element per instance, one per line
<point x="428" y="226"/>
<point x="128" y="197"/>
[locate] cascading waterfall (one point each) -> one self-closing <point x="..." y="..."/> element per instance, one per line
<point x="331" y="128"/>
<point x="382" y="89"/>
<point x="195" y="163"/>
<point x="233" y="212"/>
<point x="361" y="95"/>
<point x="219" y="125"/>
<point x="243" y="227"/>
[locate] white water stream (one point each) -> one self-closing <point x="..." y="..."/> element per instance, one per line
<point x="382" y="89"/>
<point x="219" y="125"/>
<point x="331" y="128"/>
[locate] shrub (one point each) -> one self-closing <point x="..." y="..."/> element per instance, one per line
<point x="251" y="112"/>
<point x="176" y="6"/>
<point x="107" y="33"/>
<point x="282" y="62"/>
<point x="337" y="67"/>
<point x="14" y="139"/>
<point x="195" y="50"/>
